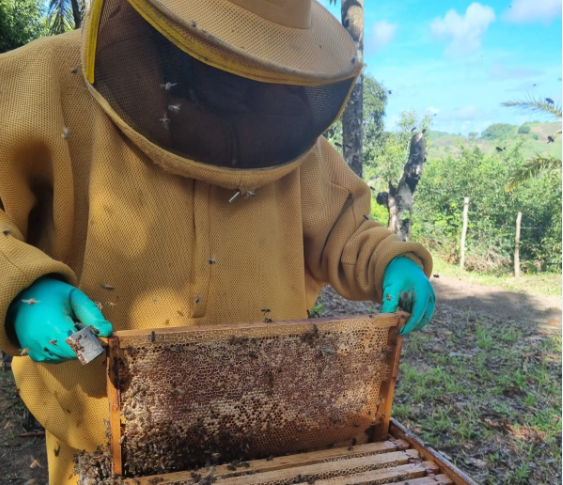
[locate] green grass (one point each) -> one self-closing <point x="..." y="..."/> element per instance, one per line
<point x="539" y="283"/>
<point x="488" y="393"/>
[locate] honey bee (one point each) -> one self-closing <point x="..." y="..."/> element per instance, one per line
<point x="213" y="260"/>
<point x="250" y="193"/>
<point x="153" y="336"/>
<point x="24" y="351"/>
<point x="74" y="70"/>
<point x="197" y="298"/>
<point x="231" y="467"/>
<point x="6" y="232"/>
<point x="31" y="301"/>
<point x="168" y="86"/>
<point x="105" y="286"/>
<point x="66" y="133"/>
<point x="165" y="121"/>
<point x="35" y="464"/>
<point x="328" y="351"/>
<point x="174" y="107"/>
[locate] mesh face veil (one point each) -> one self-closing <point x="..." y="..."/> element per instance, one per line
<point x="178" y="86"/>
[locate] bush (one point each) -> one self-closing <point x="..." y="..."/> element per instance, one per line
<point x="524" y="130"/>
<point x="497" y="131"/>
<point x="492" y="211"/>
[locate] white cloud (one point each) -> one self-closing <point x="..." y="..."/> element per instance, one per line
<point x="526" y="11"/>
<point x="382" y="34"/>
<point x="463" y="31"/>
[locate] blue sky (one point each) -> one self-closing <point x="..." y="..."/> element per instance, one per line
<point x="461" y="59"/>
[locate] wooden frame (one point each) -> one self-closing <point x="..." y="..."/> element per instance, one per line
<point x="122" y="340"/>
<point x="389" y="453"/>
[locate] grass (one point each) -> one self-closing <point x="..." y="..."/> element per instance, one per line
<point x="487" y="392"/>
<point x="539" y="283"/>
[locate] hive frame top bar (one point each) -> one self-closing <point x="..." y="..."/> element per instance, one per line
<point x="285" y="327"/>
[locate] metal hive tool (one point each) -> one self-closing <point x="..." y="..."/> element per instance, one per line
<point x="182" y="398"/>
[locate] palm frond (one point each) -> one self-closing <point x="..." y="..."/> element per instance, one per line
<point x="535" y="105"/>
<point x="532" y="168"/>
<point x="60" y="16"/>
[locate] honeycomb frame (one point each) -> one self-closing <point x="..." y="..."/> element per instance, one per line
<point x="186" y="397"/>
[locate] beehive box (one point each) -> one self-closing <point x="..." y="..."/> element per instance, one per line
<point x="262" y="403"/>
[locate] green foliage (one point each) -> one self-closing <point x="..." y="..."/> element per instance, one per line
<point x="532" y="168"/>
<point x="535" y="136"/>
<point x="21" y="21"/>
<point x="60" y="16"/>
<point x="524" y="130"/>
<point x="375" y="99"/>
<point x="66" y="15"/>
<point x="534" y="104"/>
<point x="538" y="164"/>
<point x="492" y="211"/>
<point x="316" y="311"/>
<point x="498" y="131"/>
<point x="473" y="135"/>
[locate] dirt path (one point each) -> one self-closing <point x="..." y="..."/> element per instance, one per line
<point x="543" y="309"/>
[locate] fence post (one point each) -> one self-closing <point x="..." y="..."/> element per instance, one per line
<point x="517" y="246"/>
<point x="464" y="232"/>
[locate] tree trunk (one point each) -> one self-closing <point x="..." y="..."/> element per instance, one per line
<point x="400" y="200"/>
<point x="76" y="13"/>
<point x="353" y="21"/>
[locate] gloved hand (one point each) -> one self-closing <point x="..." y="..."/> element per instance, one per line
<point x="43" y="317"/>
<point x="405" y="285"/>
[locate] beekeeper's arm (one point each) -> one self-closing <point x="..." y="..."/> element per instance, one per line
<point x="35" y="288"/>
<point x="344" y="247"/>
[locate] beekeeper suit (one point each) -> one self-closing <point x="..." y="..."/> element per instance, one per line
<point x="166" y="165"/>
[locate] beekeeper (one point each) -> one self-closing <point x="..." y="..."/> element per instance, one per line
<point x="167" y="165"/>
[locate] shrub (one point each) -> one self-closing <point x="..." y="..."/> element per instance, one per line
<point x="524" y="130"/>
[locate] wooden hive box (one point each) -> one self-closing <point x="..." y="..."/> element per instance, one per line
<point x="261" y="404"/>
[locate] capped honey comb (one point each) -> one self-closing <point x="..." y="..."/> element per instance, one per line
<point x="183" y="398"/>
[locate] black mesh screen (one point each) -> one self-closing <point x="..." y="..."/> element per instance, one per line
<point x="200" y="112"/>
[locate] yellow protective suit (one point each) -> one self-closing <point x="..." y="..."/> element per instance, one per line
<point x="87" y="198"/>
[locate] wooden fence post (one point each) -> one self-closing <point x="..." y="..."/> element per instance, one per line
<point x="517" y="246"/>
<point x="464" y="232"/>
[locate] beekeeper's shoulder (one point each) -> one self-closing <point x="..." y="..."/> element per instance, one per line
<point x="40" y="61"/>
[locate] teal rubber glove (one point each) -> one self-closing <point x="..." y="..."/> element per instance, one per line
<point x="405" y="285"/>
<point x="44" y="315"/>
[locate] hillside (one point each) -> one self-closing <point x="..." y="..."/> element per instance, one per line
<point x="441" y="144"/>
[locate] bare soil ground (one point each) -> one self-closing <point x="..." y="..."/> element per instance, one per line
<point x="481" y="383"/>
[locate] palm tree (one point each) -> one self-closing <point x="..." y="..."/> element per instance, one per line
<point x="65" y="15"/>
<point x="538" y="164"/>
